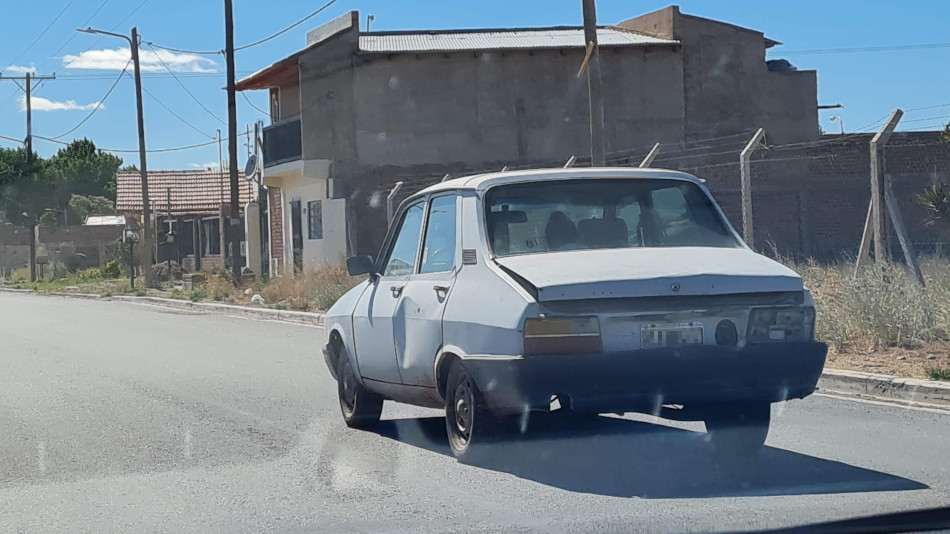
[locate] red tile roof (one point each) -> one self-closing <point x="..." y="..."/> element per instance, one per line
<point x="191" y="191"/>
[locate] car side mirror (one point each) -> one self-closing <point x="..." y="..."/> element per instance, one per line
<point x="357" y="265"/>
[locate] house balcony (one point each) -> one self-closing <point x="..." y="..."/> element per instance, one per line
<point x="282" y="142"/>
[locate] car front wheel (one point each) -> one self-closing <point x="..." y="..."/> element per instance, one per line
<point x="361" y="407"/>
<point x="739" y="430"/>
<point x="467" y="421"/>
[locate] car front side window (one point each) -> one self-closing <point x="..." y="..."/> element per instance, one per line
<point x="402" y="255"/>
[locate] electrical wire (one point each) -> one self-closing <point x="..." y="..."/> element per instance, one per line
<point x="249" y="45"/>
<point x="288" y="28"/>
<point x="183" y="51"/>
<point x="193" y="97"/>
<point x="177" y="116"/>
<point x="12" y="139"/>
<point x="40" y="36"/>
<point x="148" y="151"/>
<point x="850" y="50"/>
<point x="73" y="34"/>
<point x="66" y="64"/>
<point x="252" y="104"/>
<point x="98" y="104"/>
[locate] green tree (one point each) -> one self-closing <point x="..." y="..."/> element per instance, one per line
<point x="81" y="206"/>
<point x="82" y="169"/>
<point x="28" y="190"/>
<point x="25" y="187"/>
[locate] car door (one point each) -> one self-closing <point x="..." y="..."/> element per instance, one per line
<point x="417" y="325"/>
<point x="373" y="316"/>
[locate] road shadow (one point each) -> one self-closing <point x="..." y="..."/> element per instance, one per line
<point x="623" y="458"/>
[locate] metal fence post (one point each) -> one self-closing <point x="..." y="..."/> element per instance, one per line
<point x="745" y="170"/>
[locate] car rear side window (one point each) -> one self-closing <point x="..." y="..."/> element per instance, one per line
<point x="584" y="214"/>
<point x="438" y="249"/>
<point x="402" y="255"/>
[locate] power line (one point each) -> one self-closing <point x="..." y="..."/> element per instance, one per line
<point x="98" y="104"/>
<point x="183" y="51"/>
<point x="136" y="151"/>
<point x="40" y="36"/>
<point x="193" y="97"/>
<point x="928" y="107"/>
<point x="851" y="50"/>
<point x="12" y="139"/>
<point x="177" y="116"/>
<point x="249" y="45"/>
<point x="99" y="40"/>
<point x="134" y="11"/>
<point x="252" y="104"/>
<point x="73" y="34"/>
<point x="288" y="28"/>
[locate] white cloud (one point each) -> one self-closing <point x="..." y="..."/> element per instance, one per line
<point x="39" y="103"/>
<point x="20" y="69"/>
<point x="116" y="59"/>
<point x="210" y="165"/>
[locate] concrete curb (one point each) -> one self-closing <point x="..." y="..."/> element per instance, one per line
<point x="297" y="317"/>
<point x="910" y="390"/>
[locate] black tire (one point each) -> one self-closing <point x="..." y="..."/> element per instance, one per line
<point x="468" y="423"/>
<point x="361" y="407"/>
<point x="738" y="431"/>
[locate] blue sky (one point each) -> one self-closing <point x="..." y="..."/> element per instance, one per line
<point x="868" y="84"/>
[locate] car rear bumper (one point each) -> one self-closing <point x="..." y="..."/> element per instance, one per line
<point x="644" y="380"/>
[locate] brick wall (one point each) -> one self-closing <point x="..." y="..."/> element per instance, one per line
<point x="276" y="211"/>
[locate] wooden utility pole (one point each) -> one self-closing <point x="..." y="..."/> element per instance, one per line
<point x="28" y="142"/>
<point x="143" y="166"/>
<point x="147" y="241"/>
<point x="594" y="86"/>
<point x="235" y="226"/>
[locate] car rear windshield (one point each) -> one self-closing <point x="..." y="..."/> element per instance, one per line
<point x="602" y="213"/>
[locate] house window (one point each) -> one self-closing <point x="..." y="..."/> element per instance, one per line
<point x="211" y="237"/>
<point x="315" y="219"/>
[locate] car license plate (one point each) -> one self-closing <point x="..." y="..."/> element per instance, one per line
<point x="654" y="336"/>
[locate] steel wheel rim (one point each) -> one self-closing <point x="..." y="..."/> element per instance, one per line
<point x="348" y="397"/>
<point x="464" y="407"/>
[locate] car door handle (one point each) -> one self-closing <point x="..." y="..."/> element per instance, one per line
<point x="396" y="290"/>
<point x="440" y="288"/>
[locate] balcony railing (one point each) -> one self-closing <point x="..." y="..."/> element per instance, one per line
<point x="282" y="142"/>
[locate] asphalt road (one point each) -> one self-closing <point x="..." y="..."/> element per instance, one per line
<point x="122" y="417"/>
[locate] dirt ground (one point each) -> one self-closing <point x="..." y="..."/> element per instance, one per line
<point x="899" y="362"/>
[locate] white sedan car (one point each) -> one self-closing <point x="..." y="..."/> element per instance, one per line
<point x="609" y="290"/>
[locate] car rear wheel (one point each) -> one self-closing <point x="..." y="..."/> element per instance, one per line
<point x="739" y="430"/>
<point x="468" y="423"/>
<point x="361" y="407"/>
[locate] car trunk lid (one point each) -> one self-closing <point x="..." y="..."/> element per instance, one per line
<point x="650" y="272"/>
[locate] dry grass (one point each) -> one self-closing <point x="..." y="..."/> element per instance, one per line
<point x="311" y="291"/>
<point x="880" y="309"/>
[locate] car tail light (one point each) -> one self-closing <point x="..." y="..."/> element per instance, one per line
<point x="562" y="335"/>
<point x="781" y="324"/>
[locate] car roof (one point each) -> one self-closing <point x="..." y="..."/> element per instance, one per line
<point x="482" y="182"/>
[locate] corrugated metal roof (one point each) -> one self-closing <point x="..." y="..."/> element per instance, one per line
<point x="191" y="191"/>
<point x="435" y="41"/>
<point x="105" y="220"/>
